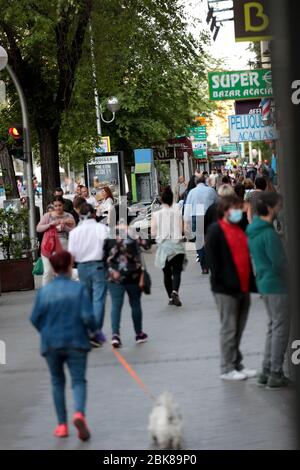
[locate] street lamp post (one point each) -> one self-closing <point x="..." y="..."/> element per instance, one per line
<point x="27" y="146"/>
<point x="113" y="105"/>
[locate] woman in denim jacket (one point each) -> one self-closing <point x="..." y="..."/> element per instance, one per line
<point x="63" y="314"/>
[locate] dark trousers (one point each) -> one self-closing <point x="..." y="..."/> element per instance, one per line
<point x="202" y="258"/>
<point x="172" y="274"/>
<point x="76" y="361"/>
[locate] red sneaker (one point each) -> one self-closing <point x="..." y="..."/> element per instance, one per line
<point x="79" y="422"/>
<point x="61" y="430"/>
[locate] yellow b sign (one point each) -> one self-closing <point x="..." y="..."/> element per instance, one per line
<point x="252" y="20"/>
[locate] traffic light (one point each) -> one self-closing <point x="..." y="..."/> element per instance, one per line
<point x="16" y="148"/>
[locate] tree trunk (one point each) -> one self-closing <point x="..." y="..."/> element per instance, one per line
<point x="8" y="173"/>
<point x="48" y="141"/>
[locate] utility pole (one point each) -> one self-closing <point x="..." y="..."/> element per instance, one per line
<point x="96" y="94"/>
<point x="28" y="157"/>
<point x="27" y="148"/>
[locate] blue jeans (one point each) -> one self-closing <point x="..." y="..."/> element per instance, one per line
<point x="93" y="276"/>
<point x="76" y="361"/>
<point x="117" y="292"/>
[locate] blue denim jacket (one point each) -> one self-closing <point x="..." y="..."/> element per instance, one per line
<point x="63" y="314"/>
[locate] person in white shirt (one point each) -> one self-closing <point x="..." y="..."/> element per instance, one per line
<point x="166" y="228"/>
<point x="86" y="247"/>
<point x="198" y="201"/>
<point x="212" y="180"/>
<point x="89" y="199"/>
<point x="106" y="205"/>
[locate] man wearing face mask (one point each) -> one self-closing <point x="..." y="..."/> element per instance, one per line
<point x="232" y="281"/>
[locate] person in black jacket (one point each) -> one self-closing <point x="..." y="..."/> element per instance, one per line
<point x="231" y="282"/>
<point x="123" y="259"/>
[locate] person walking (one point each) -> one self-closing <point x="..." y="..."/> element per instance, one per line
<point x="77" y="202"/>
<point x="166" y="228"/>
<point x="86" y="246"/>
<point x="86" y="195"/>
<point x="63" y="315"/>
<point x="231" y="282"/>
<point x="106" y="205"/>
<point x="68" y="205"/>
<point x="251" y="197"/>
<point x="198" y="201"/>
<point x="180" y="188"/>
<point x="211" y="215"/>
<point x="190" y="236"/>
<point x="64" y="223"/>
<point x="122" y="255"/>
<point x="270" y="264"/>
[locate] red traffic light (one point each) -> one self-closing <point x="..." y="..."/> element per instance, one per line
<point x="15" y="133"/>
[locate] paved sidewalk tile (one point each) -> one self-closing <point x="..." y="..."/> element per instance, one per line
<point x="182" y="356"/>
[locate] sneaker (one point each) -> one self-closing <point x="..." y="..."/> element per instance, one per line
<point x="262" y="379"/>
<point x="101" y="337"/>
<point x="171" y="302"/>
<point x="95" y="342"/>
<point x="176" y="299"/>
<point x="79" y="422"/>
<point x="61" y="431"/>
<point x="249" y="373"/>
<point x="277" y="381"/>
<point x="141" y="338"/>
<point x="233" y="375"/>
<point x="116" y="341"/>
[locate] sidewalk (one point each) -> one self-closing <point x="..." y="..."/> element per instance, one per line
<point x="182" y="356"/>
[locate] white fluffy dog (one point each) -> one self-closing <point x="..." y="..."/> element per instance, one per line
<point x="165" y="423"/>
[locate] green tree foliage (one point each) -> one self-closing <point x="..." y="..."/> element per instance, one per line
<point x="144" y="54"/>
<point x="14" y="233"/>
<point x="44" y="41"/>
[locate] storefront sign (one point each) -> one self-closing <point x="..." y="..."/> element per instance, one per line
<point x="230" y="148"/>
<point x="240" y="85"/>
<point x="250" y="128"/>
<point x="104" y="146"/>
<point x="248" y="107"/>
<point x="198" y="133"/>
<point x="199" y="149"/>
<point x="252" y="20"/>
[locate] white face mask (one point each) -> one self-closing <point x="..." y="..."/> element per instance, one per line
<point x="235" y="215"/>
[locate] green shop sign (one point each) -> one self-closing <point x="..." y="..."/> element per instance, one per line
<point x="240" y="85"/>
<point x="199" y="132"/>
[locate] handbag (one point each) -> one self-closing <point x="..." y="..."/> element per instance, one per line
<point x="50" y="243"/>
<point x="38" y="269"/>
<point x="145" y="279"/>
